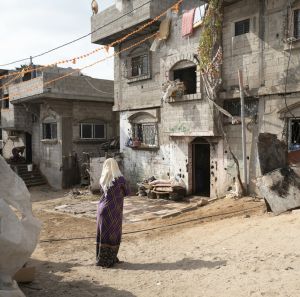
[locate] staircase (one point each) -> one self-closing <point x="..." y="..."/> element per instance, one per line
<point x="31" y="178"/>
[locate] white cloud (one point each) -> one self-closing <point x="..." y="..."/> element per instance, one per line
<point x="31" y="27"/>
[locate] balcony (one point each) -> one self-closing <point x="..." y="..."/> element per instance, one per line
<point x="26" y="89"/>
<point x="56" y="86"/>
<point x="141" y="14"/>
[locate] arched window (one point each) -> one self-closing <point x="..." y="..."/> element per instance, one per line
<point x="144" y="129"/>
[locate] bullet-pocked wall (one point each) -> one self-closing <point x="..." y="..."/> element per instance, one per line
<point x="269" y="60"/>
<point x="178" y="121"/>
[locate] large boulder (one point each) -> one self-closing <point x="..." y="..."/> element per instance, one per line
<point x="281" y="189"/>
<point x="19" y="230"/>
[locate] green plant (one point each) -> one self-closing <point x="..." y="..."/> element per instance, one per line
<point x="210" y="39"/>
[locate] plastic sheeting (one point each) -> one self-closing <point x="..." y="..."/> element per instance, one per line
<point x="19" y="230"/>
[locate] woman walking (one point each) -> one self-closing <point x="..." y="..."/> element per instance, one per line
<point x="110" y="214"/>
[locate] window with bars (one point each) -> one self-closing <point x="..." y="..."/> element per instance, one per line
<point x="294" y="134"/>
<point x="233" y="106"/>
<point x="92" y="131"/>
<point x="297" y="23"/>
<point x="49" y="130"/>
<point x="140" y="65"/>
<point x="242" y="27"/>
<point x="146" y="133"/>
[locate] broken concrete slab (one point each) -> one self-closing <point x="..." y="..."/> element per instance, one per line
<point x="281" y="189"/>
<point x="296" y="212"/>
<point x="272" y="152"/>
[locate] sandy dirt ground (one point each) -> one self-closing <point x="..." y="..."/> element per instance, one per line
<point x="227" y="248"/>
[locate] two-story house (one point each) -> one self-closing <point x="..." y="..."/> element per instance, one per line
<point x="181" y="135"/>
<point x="57" y="115"/>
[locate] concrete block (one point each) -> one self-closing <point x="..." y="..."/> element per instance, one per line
<point x="281" y="189"/>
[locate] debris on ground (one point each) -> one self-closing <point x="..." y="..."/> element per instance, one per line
<point x="281" y="189"/>
<point x="76" y="193"/>
<point x="235" y="191"/>
<point x="172" y="189"/>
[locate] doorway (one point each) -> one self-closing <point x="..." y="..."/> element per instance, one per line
<point x="201" y="167"/>
<point x="28" y="148"/>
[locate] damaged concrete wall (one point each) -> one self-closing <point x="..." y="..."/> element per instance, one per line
<point x="178" y="122"/>
<point x="260" y="53"/>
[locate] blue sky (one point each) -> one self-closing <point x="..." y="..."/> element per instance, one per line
<point x="30" y="27"/>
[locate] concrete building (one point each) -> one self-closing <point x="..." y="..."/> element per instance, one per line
<point x="57" y="122"/>
<point x="181" y="136"/>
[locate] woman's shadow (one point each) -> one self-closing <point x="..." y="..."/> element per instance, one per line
<point x="184" y="264"/>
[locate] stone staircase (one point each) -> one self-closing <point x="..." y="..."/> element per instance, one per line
<point x="31" y="178"/>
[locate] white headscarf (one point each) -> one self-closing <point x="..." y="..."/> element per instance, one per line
<point x="110" y="172"/>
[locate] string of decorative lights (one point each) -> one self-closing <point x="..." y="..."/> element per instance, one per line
<point x="79" y="38"/>
<point x="174" y="7"/>
<point x="85" y="67"/>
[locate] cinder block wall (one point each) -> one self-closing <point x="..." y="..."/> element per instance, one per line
<point x="263" y="56"/>
<point x="68" y="115"/>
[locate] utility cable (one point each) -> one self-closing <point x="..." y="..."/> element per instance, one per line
<point x="95" y="88"/>
<point x="122" y="39"/>
<point x="155" y="228"/>
<point x="90" y="65"/>
<point x="77" y="39"/>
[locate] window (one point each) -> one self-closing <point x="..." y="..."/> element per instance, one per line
<point x="188" y="77"/>
<point x="146" y="133"/>
<point x="140" y="65"/>
<point x="294" y="135"/>
<point x="92" y="131"/>
<point x="233" y="106"/>
<point x="297" y="23"/>
<point x="5" y="103"/>
<point x="242" y="27"/>
<point x="49" y="130"/>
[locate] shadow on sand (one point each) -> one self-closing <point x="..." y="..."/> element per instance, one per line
<point x="184" y="264"/>
<point x="53" y="280"/>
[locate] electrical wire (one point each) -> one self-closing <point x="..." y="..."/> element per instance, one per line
<point x="96" y="89"/>
<point x="77" y="39"/>
<point x="122" y="39"/>
<point x="155" y="228"/>
<point x="90" y="65"/>
<point x="174" y="6"/>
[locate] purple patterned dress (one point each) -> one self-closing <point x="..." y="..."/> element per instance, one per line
<point x="109" y="223"/>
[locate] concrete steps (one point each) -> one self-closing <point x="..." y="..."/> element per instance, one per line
<point x="31" y="178"/>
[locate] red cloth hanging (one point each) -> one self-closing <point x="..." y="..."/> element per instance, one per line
<point x="187" y="22"/>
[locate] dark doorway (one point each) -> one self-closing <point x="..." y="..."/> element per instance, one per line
<point x="28" y="148"/>
<point x="201" y="167"/>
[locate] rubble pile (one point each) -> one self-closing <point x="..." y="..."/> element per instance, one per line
<point x="173" y="189"/>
